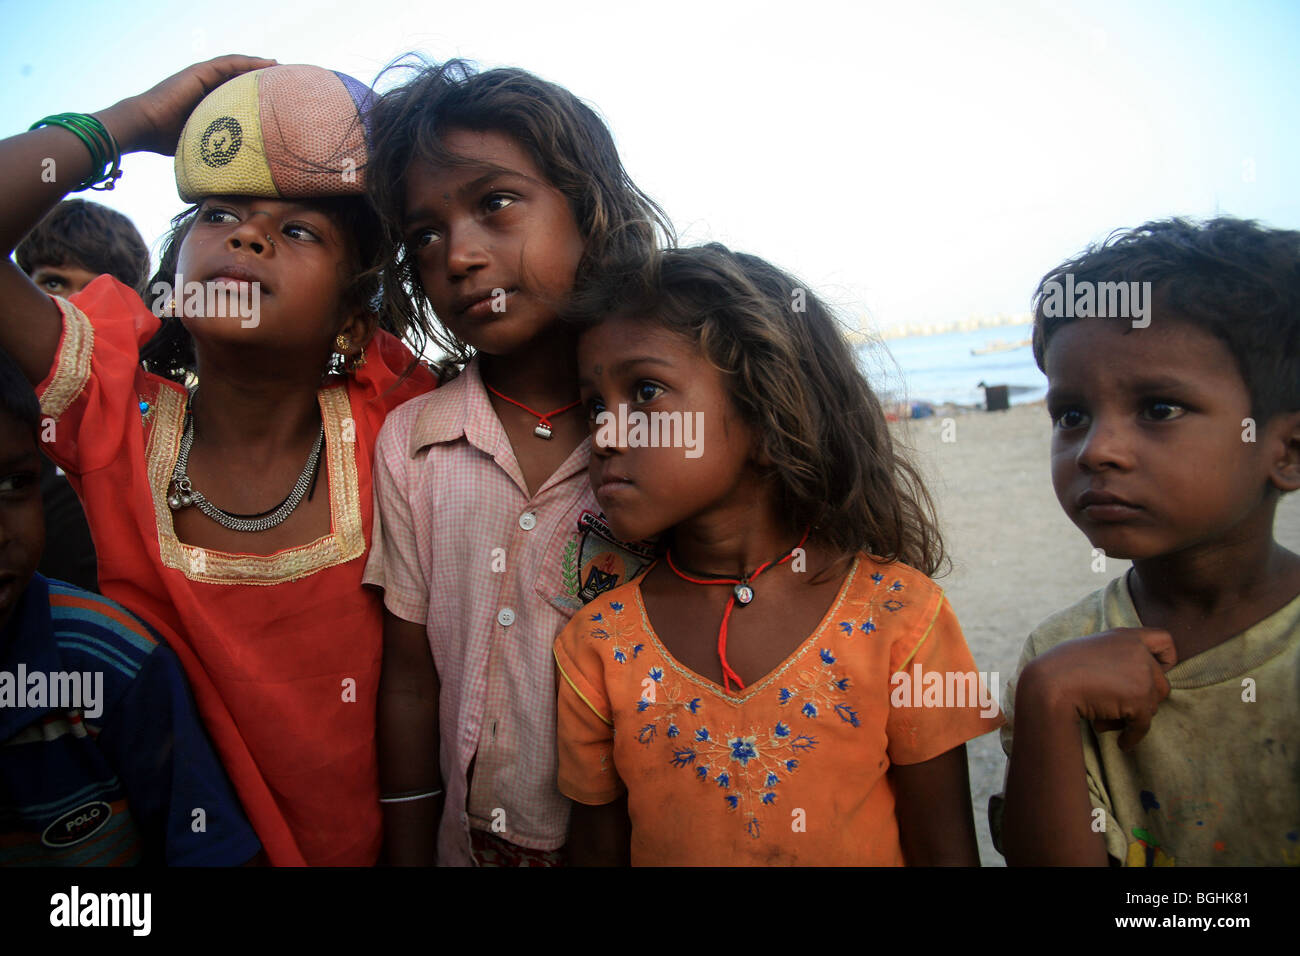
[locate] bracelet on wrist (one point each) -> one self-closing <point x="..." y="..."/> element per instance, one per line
<point x="105" y="155"/>
<point x="407" y="796"/>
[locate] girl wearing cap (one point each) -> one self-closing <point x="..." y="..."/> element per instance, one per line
<point x="222" y="441"/>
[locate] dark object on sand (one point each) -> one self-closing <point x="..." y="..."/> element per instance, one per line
<point x="995" y="397"/>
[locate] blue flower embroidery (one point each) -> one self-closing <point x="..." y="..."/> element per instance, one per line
<point x="847" y="714"/>
<point x="742" y="749"/>
<point x="615" y="605"/>
<point x="772" y="780"/>
<point x="637" y="649"/>
<point x="694" y="705"/>
<point x="809" y="709"/>
<point x="642" y="704"/>
<point x="683" y="757"/>
<point x="846" y="627"/>
<point x="769" y="798"/>
<point x="842" y="684"/>
<point x="723" y="779"/>
<point x="596" y="616"/>
<point x="827" y="657"/>
<point x="868" y="627"/>
<point x="702" y="772"/>
<point x="785" y="695"/>
<point x="782" y="730"/>
<point x="893" y="605"/>
<point x="752" y="828"/>
<point x="702" y="734"/>
<point x="656" y="673"/>
<point x="803" y="742"/>
<point x="732" y="801"/>
<point x="619" y="656"/>
<point x="647" y="734"/>
<point x="877" y="577"/>
<point x="790" y="765"/>
<point x="896" y="586"/>
<point x="672" y="730"/>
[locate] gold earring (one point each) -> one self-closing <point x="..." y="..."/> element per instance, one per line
<point x="342" y="343"/>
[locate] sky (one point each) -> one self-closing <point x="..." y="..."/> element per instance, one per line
<point x="912" y="163"/>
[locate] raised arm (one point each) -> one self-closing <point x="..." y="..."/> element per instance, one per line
<point x="44" y="165"/>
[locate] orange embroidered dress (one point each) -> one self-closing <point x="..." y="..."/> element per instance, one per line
<point x="282" y="651"/>
<point x="793" y="771"/>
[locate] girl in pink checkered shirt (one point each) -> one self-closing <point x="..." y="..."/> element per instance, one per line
<point x="506" y="195"/>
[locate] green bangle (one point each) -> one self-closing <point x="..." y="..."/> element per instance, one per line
<point x="105" y="156"/>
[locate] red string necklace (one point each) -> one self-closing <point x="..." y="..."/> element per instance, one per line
<point x="743" y="593"/>
<point x="543" y="429"/>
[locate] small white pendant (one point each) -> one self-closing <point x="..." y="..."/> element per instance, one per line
<point x="744" y="593"/>
<point x="542" y="431"/>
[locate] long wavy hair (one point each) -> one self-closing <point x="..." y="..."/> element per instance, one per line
<point x="621" y="226"/>
<point x="795" y="382"/>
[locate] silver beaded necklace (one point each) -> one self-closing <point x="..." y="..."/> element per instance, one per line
<point x="182" y="494"/>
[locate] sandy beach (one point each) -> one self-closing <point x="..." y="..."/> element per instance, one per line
<point x="1016" y="557"/>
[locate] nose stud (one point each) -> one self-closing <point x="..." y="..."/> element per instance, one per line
<point x="270" y="240"/>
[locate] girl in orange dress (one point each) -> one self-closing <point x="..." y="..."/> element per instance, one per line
<point x="234" y="517"/>
<point x="786" y="685"/>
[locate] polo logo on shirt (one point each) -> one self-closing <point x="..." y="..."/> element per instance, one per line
<point x="604" y="562"/>
<point x="77" y="825"/>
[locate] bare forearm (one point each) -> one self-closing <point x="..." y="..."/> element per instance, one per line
<point x="1048" y="814"/>
<point x="408" y="764"/>
<point x="932" y="803"/>
<point x="601" y="835"/>
<point x="408" y="744"/>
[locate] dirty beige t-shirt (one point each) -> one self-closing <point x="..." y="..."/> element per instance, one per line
<point x="1216" y="781"/>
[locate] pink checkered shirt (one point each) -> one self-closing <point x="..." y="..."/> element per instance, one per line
<point x="448" y="494"/>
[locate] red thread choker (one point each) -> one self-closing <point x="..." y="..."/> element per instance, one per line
<point x="543" y="429"/>
<point x="742" y="592"/>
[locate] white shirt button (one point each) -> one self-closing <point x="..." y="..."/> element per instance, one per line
<point x="506" y="616"/>
<point x="528" y="521"/>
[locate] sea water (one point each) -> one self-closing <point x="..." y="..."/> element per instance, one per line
<point x="940" y="368"/>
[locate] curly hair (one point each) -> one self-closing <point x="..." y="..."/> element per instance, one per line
<point x="1237" y="280"/>
<point x="620" y="225"/>
<point x="170" y="352"/>
<point x="795" y="382"/>
<point x="88" y="235"/>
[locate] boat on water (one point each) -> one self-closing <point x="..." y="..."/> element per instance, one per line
<point x="1001" y="345"/>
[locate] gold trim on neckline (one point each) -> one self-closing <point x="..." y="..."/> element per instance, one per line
<point x="344" y="542"/>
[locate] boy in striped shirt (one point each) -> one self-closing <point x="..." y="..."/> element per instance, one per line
<point x="103" y="761"/>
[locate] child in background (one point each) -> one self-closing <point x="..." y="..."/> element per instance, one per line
<point x="80" y="241"/>
<point x="1173" y="438"/>
<point x="694" y="728"/>
<point x="259" y="594"/>
<point x="113" y="777"/>
<point x="77" y="242"/>
<point x="506" y="194"/>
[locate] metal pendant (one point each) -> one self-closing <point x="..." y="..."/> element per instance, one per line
<point x="182" y="495"/>
<point x="542" y="431"/>
<point x="744" y="593"/>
